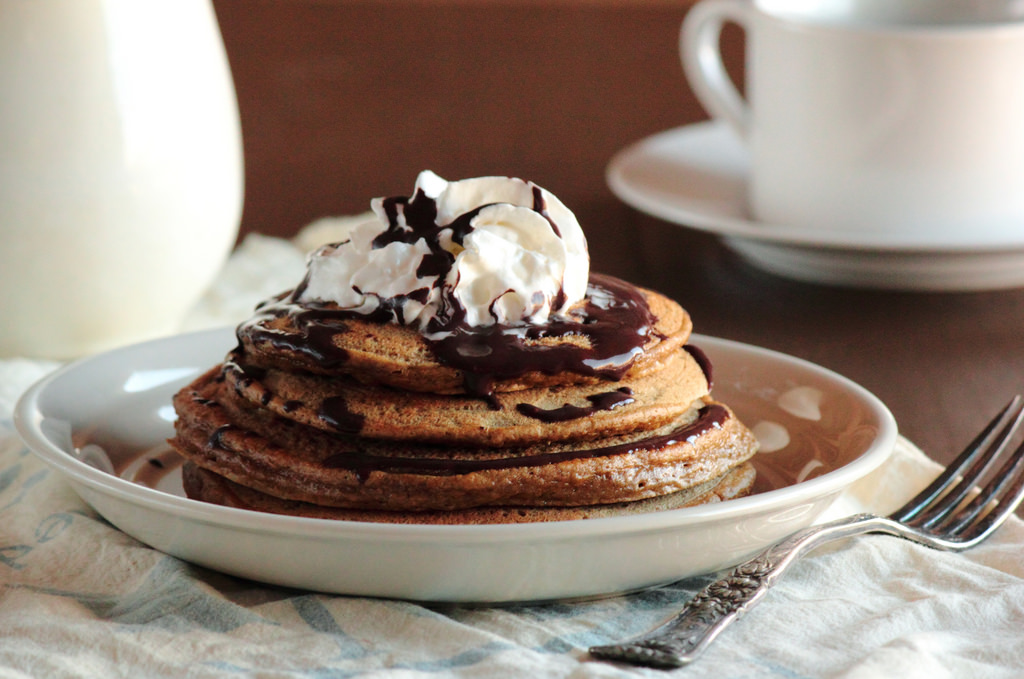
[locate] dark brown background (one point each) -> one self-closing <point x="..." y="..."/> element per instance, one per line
<point x="343" y="101"/>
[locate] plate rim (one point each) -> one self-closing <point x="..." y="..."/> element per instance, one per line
<point x="27" y="417"/>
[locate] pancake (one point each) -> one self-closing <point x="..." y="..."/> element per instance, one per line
<point x="323" y="339"/>
<point x="556" y="413"/>
<point x="204" y="485"/>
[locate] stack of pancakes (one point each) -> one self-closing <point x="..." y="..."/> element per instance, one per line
<point x="322" y="413"/>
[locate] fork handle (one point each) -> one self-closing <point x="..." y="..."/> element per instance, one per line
<point x="679" y="641"/>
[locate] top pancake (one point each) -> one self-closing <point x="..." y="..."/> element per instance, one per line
<point x="401" y="357"/>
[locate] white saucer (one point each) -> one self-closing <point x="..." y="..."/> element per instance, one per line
<point x="696" y="176"/>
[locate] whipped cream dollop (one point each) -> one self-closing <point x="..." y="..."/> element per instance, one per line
<point x="469" y="253"/>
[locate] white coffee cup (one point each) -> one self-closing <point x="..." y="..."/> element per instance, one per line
<point x="897" y="117"/>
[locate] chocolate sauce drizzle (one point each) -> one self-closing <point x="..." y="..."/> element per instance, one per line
<point x="334" y="411"/>
<point x="708" y="418"/>
<point x="317" y="325"/>
<point x="614" y="325"/>
<point x="603" y="401"/>
<point x="216" y="439"/>
<point x="610" y="329"/>
<point x="703" y="361"/>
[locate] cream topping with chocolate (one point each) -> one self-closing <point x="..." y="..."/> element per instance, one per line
<point x="476" y="252"/>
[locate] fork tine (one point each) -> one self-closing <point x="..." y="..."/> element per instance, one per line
<point x="1006" y="489"/>
<point x="952" y="501"/>
<point x="998" y="429"/>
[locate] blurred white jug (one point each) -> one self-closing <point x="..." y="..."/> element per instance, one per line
<point x="120" y="170"/>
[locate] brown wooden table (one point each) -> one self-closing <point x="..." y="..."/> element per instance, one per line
<point x="343" y="101"/>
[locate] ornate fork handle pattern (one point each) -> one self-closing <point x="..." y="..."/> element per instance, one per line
<point x="682" y="639"/>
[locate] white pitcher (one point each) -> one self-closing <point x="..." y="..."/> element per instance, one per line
<point x="120" y="170"/>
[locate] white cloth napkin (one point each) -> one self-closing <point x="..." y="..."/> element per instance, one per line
<point x="81" y="599"/>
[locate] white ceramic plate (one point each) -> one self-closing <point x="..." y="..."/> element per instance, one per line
<point x="821" y="433"/>
<point x="696" y="176"/>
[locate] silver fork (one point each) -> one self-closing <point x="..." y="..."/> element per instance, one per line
<point x="951" y="514"/>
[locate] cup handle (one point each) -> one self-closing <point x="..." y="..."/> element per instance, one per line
<point x="699" y="49"/>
